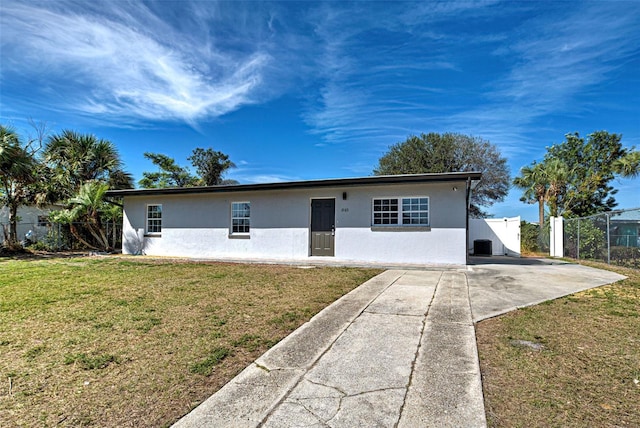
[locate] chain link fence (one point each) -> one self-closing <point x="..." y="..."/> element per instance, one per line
<point x="612" y="237"/>
<point x="43" y="235"/>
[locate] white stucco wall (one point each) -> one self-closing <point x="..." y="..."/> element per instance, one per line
<point x="198" y="225"/>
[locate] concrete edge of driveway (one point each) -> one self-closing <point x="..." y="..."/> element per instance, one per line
<point x="548" y="282"/>
<point x="249" y="397"/>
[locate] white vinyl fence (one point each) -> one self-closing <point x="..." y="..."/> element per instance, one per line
<point x="504" y="234"/>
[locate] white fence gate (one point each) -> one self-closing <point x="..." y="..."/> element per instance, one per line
<point x="504" y="234"/>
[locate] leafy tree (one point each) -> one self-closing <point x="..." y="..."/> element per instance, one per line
<point x="170" y="174"/>
<point x="591" y="238"/>
<point x="210" y="165"/>
<point x="573" y="179"/>
<point x="628" y="165"/>
<point x="529" y="237"/>
<point x="229" y="182"/>
<point x="17" y="166"/>
<point x="557" y="174"/>
<point x="449" y="152"/>
<point x="75" y="159"/>
<point x="591" y="168"/>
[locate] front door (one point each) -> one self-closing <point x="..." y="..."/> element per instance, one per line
<point x="323" y="226"/>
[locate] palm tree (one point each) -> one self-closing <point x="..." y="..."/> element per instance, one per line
<point x="82" y="167"/>
<point x="85" y="207"/>
<point x="542" y="183"/>
<point x="78" y="158"/>
<point x="17" y="168"/>
<point x="533" y="180"/>
<point x="556" y="174"/>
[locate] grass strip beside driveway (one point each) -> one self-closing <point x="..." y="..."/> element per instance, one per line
<point x="140" y="342"/>
<point x="571" y="362"/>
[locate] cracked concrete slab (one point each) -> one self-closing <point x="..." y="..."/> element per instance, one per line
<point x="451" y="301"/>
<point x="370" y="409"/>
<point x="446" y="388"/>
<point x="322" y="401"/>
<point x="399" y="351"/>
<point x="375" y="352"/>
<point x="244" y="401"/>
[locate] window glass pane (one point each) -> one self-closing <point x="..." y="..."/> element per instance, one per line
<point x="154" y="218"/>
<point x="415" y="211"/>
<point x="240" y="215"/>
<point x="385" y="211"/>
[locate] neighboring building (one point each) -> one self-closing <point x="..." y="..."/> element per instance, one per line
<point x="625" y="228"/>
<point x="418" y="219"/>
<point x="30" y="218"/>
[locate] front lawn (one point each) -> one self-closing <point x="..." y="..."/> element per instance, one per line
<point x="139" y="342"/>
<point x="571" y="362"/>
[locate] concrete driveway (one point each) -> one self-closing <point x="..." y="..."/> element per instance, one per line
<point x="398" y="351"/>
<point x="502" y="284"/>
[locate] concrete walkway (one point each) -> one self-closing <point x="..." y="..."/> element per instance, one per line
<point x="399" y="351"/>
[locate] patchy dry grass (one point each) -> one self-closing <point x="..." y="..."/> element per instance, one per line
<point x="140" y="342"/>
<point x="588" y="370"/>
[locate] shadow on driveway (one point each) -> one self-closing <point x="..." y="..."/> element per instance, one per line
<point x="516" y="261"/>
<point x="502" y="284"/>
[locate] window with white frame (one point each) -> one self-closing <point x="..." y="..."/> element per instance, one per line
<point x="240" y="217"/>
<point x="154" y="219"/>
<point x="401" y="211"/>
<point x="385" y="211"/>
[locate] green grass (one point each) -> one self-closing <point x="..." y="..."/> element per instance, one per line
<point x="91" y="362"/>
<point x="137" y="341"/>
<point x="587" y="372"/>
<point x="206" y="366"/>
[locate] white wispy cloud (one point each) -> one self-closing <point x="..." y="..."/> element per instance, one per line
<point x="377" y="95"/>
<point x="263" y="178"/>
<point x="555" y="61"/>
<point x="126" y="62"/>
<point x="551" y="60"/>
<point x="561" y="56"/>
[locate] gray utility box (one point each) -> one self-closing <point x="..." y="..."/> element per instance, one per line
<point x="482" y="247"/>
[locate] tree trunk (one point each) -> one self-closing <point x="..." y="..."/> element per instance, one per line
<point x="98" y="235"/>
<point x="541" y="214"/>
<point x="95" y="227"/>
<point x="13" y="223"/>
<point x="75" y="233"/>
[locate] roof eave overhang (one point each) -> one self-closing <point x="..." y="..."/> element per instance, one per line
<point x="309" y="184"/>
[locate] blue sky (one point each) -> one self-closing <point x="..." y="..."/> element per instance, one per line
<point x="309" y="90"/>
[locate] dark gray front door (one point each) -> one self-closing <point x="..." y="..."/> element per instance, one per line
<point x="323" y="226"/>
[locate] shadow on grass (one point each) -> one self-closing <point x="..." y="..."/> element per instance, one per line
<point x="27" y="255"/>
